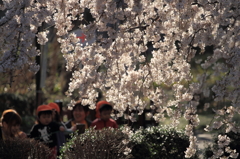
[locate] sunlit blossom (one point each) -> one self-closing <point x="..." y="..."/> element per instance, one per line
<point x="148" y="46"/>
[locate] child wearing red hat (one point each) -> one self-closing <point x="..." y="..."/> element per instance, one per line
<point x="54" y="106"/>
<point x="56" y="118"/>
<point x="104" y="121"/>
<point x="99" y="104"/>
<point x="45" y="131"/>
<point x="56" y="111"/>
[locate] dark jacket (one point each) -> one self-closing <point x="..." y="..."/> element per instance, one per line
<point x="45" y="133"/>
<point x="69" y="123"/>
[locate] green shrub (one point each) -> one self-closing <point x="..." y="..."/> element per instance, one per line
<point x="159" y="143"/>
<point x="97" y="144"/>
<point x="23" y="149"/>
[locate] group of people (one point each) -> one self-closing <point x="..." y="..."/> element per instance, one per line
<point x="49" y="127"/>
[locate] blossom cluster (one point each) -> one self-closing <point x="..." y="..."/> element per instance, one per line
<point x="19" y="27"/>
<point x="223" y="142"/>
<point x="148" y="46"/>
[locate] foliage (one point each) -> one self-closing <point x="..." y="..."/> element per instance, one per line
<point x="16" y="101"/>
<point x="23" y="149"/>
<point x="159" y="142"/>
<point x="97" y="144"/>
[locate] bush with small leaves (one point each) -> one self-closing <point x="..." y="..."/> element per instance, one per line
<point x="97" y="144"/>
<point x="23" y="149"/>
<point x="159" y="142"/>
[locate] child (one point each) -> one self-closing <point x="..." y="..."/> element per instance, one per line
<point x="99" y="104"/>
<point x="56" y="112"/>
<point x="104" y="121"/>
<point x="46" y="129"/>
<point x="10" y="125"/>
<point x="79" y="114"/>
<point x="60" y="135"/>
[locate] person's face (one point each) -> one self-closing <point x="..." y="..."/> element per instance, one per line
<point x="45" y="119"/>
<point x="105" y="114"/>
<point x="14" y="129"/>
<point x="79" y="114"/>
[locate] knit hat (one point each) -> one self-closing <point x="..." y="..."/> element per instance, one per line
<point x="54" y="106"/>
<point x="99" y="104"/>
<point x="41" y="108"/>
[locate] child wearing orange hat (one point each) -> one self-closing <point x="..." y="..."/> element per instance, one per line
<point x="10" y="125"/>
<point x="56" y="111"/>
<point x="103" y="113"/>
<point x="45" y="131"/>
<point x="60" y="135"/>
<point x="99" y="104"/>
